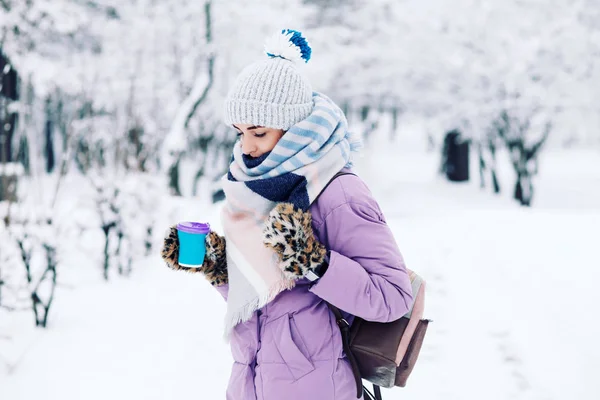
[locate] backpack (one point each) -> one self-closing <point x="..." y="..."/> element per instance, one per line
<point x="384" y="353"/>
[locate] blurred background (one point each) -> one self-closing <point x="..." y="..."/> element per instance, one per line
<point x="481" y="126"/>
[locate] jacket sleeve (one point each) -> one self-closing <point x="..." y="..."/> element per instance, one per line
<point x="366" y="276"/>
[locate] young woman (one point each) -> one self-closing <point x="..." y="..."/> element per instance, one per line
<point x="294" y="241"/>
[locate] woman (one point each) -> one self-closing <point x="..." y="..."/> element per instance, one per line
<point x="294" y="241"/>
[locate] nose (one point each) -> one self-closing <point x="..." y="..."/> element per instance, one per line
<point x="248" y="147"/>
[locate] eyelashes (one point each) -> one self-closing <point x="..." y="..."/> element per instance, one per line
<point x="258" y="135"/>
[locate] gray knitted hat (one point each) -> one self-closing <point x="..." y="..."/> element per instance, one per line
<point x="273" y="92"/>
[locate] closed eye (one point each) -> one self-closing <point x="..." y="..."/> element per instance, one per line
<point x="260" y="134"/>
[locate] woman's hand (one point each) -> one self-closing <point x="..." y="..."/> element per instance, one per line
<point x="214" y="267"/>
<point x="289" y="233"/>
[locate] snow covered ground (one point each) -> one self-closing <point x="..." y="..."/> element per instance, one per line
<point x="511" y="292"/>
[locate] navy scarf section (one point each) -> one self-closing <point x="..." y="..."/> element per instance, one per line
<point x="288" y="188"/>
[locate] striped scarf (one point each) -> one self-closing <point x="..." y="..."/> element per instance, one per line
<point x="308" y="155"/>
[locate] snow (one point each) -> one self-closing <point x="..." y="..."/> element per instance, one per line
<point x="509" y="288"/>
<point x="11" y="169"/>
<point x="510" y="291"/>
<point x="126" y="340"/>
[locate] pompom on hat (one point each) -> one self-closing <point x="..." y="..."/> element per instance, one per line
<point x="273" y="92"/>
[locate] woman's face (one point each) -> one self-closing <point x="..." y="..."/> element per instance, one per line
<point x="257" y="140"/>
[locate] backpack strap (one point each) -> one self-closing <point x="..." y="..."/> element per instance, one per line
<point x="371" y="396"/>
<point x="341" y="173"/>
<point x="345" y="331"/>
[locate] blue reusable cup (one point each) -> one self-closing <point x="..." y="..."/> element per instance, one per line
<point x="192" y="247"/>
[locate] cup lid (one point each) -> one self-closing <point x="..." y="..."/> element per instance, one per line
<point x="193" y="227"/>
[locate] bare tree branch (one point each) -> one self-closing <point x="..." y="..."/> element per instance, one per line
<point x="538" y="145"/>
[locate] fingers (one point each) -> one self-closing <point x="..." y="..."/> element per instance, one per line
<point x="170" y="250"/>
<point x="288" y="232"/>
<point x="215" y="245"/>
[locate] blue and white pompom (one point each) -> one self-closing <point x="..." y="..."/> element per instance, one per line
<point x="289" y="45"/>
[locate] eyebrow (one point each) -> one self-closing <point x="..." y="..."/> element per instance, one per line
<point x="249" y="128"/>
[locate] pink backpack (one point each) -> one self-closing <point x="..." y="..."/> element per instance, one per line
<point x="385" y="353"/>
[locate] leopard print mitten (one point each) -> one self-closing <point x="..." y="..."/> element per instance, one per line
<point x="289" y="233"/>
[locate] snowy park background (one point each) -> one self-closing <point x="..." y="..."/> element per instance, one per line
<point x="110" y="132"/>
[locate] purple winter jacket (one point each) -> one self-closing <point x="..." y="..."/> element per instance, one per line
<point x="292" y="348"/>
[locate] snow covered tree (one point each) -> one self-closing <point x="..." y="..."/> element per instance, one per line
<point x="449" y="65"/>
<point x="197" y="138"/>
<point x="516" y="133"/>
<point x="29" y="267"/>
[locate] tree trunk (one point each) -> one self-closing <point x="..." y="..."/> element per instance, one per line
<point x="8" y="122"/>
<point x="148" y="241"/>
<point x="174" y="177"/>
<point x="51" y="268"/>
<point x="174" y="147"/>
<point x="106" y="228"/>
<point x="49" y="137"/>
<point x="394" y="123"/>
<point x="41" y="309"/>
<point x="495" y="182"/>
<point x="23" y="155"/>
<point x="49" y="147"/>
<point x="524" y="190"/>
<point x="118" y="251"/>
<point x="481" y="167"/>
<point x="8" y="93"/>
